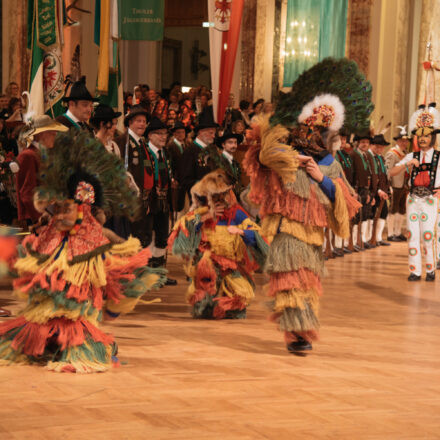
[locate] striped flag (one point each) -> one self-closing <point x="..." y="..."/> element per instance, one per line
<point x="46" y="83"/>
<point x="223" y="41"/>
<point x="109" y="82"/>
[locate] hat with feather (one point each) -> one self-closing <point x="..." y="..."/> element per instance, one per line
<point x="403" y="134"/>
<point x="425" y="120"/>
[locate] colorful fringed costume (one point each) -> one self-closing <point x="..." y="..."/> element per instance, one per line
<point x="220" y="261"/>
<point x="71" y="276"/>
<point x="295" y="209"/>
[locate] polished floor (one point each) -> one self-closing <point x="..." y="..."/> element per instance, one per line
<point x="375" y="374"/>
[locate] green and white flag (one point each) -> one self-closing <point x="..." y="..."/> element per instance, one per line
<point x="46" y="85"/>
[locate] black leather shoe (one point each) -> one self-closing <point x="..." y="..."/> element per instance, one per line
<point x="300" y="345"/>
<point x="383" y="243"/>
<point x="170" y="282"/>
<point x="358" y="248"/>
<point x="394" y="239"/>
<point x="401" y="237"/>
<point x="430" y="276"/>
<point x="368" y="246"/>
<point x="4" y="313"/>
<point x="338" y="252"/>
<point x="414" y="277"/>
<point x="347" y="251"/>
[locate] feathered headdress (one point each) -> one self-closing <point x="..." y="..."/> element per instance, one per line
<point x="338" y="78"/>
<point x="324" y="110"/>
<point x="80" y="168"/>
<point x="425" y="120"/>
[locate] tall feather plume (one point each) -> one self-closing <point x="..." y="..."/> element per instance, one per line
<point x="76" y="153"/>
<point x="340" y="77"/>
<point x="274" y="153"/>
<point x="75" y="64"/>
<point x="29" y="112"/>
<point x="386" y="128"/>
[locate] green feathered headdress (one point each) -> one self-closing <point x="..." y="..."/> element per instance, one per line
<point x="76" y="157"/>
<point x="338" y="77"/>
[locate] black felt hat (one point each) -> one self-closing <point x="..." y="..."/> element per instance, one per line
<point x="178" y="125"/>
<point x="135" y="110"/>
<point x="154" y="125"/>
<point x="78" y="92"/>
<point x="379" y="139"/>
<point x="359" y="137"/>
<point x="104" y="112"/>
<point x="228" y="135"/>
<point x="206" y="119"/>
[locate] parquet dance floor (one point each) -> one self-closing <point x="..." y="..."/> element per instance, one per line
<point x="375" y="374"/>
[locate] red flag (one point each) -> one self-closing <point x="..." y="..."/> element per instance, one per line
<point x="223" y="42"/>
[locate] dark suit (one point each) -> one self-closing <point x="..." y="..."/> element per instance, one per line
<point x="154" y="214"/>
<point x="175" y="154"/>
<point x="63" y="119"/>
<point x="194" y="166"/>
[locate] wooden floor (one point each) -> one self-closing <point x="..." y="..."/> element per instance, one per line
<point x="375" y="374"/>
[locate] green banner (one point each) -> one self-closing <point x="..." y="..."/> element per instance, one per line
<point x="46" y="23"/>
<point x="141" y="19"/>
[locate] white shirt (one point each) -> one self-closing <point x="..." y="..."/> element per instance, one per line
<point x="71" y="116"/>
<point x="134" y="135"/>
<point x="177" y="142"/>
<point x="228" y="156"/>
<point x="428" y="158"/>
<point x="112" y="147"/>
<point x="201" y="143"/>
<point x="154" y="149"/>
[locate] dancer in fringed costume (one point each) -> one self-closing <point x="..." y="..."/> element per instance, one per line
<point x="222" y="247"/>
<point x="72" y="276"/>
<point x="304" y="191"/>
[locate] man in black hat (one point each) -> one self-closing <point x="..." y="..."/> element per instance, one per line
<point x="195" y="160"/>
<point x="130" y="144"/>
<point x="175" y="148"/>
<point x="229" y="144"/>
<point x="380" y="208"/>
<point x="399" y="184"/>
<point x="364" y="185"/>
<point x="80" y="107"/>
<point x="152" y="172"/>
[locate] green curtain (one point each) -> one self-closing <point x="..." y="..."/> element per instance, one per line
<point x="315" y="29"/>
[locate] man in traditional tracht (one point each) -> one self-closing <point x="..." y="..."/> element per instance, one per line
<point x="80" y="106"/>
<point x="399" y="185"/>
<point x="151" y="169"/>
<point x="422" y="201"/>
<point x="195" y="159"/>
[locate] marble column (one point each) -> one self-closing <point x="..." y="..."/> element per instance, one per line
<point x="429" y="30"/>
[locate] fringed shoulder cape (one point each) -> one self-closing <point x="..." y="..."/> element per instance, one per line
<point x="70" y="284"/>
<point x="219" y="264"/>
<point x="294" y="212"/>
